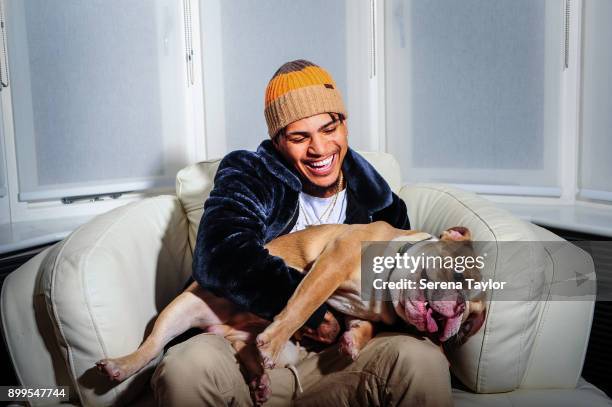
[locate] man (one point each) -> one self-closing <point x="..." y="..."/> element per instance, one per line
<point x="305" y="175"/>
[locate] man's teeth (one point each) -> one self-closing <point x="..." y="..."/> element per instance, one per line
<point x="322" y="163"/>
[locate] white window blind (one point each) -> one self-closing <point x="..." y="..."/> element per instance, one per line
<point x="596" y="122"/>
<point x="246" y="41"/>
<point x="473" y="92"/>
<point x="98" y="92"/>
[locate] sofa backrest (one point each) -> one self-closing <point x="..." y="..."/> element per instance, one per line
<point x="194" y="183"/>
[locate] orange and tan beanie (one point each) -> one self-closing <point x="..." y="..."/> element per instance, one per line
<point x="297" y="90"/>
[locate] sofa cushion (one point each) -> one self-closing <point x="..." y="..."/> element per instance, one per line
<point x="194" y="183"/>
<point x="495" y="359"/>
<point x="105" y="283"/>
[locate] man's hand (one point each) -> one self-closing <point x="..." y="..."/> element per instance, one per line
<point x="327" y="331"/>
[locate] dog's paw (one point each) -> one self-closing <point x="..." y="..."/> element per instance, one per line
<point x="260" y="389"/>
<point x="120" y="369"/>
<point x="110" y="369"/>
<point x="267" y="350"/>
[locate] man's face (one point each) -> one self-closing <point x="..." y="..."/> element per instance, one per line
<point x="316" y="147"/>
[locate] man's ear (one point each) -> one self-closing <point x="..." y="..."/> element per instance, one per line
<point x="276" y="138"/>
<point x="345" y="123"/>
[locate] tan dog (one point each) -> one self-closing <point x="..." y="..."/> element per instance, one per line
<point x="334" y="255"/>
<point x="330" y="254"/>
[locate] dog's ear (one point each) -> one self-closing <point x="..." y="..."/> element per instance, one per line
<point x="470" y="326"/>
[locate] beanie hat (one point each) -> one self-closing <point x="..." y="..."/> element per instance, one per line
<point x="297" y="90"/>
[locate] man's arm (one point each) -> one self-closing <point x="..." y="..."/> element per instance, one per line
<point x="395" y="214"/>
<point x="229" y="257"/>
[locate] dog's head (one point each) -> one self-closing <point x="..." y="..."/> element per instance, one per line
<point x="450" y="313"/>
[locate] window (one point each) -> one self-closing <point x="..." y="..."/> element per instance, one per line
<point x="595" y="180"/>
<point x="473" y="92"/>
<point x="98" y="95"/>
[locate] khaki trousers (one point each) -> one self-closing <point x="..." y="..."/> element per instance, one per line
<point x="393" y="369"/>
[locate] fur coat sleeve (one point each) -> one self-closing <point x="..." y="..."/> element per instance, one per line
<point x="240" y="216"/>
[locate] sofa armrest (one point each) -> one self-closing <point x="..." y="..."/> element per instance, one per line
<point x="496" y="358"/>
<point x="104" y="284"/>
<point x="28" y="333"/>
<point x="566" y="322"/>
<point x="513" y="350"/>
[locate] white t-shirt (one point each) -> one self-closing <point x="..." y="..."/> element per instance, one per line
<point x="311" y="208"/>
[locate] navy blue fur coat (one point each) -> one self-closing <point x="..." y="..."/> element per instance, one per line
<point x="254" y="200"/>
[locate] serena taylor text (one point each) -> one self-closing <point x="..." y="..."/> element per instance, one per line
<point x="406" y="284"/>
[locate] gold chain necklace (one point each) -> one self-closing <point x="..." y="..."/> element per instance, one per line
<point x="323" y="218"/>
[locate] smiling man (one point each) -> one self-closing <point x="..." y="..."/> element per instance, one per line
<point x="304" y="175"/>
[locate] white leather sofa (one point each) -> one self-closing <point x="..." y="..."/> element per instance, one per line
<point x="94" y="294"/>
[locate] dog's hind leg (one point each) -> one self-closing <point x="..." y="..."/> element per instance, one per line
<point x="193" y="308"/>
